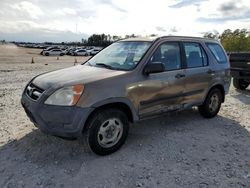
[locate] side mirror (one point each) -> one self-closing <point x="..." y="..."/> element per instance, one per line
<point x="154" y="67"/>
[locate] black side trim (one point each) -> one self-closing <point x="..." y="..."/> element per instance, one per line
<point x="160" y="99"/>
<point x="193" y="92"/>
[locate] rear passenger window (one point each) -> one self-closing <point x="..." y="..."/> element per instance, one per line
<point x="218" y="52"/>
<point x="195" y="55"/>
<point x="169" y="54"/>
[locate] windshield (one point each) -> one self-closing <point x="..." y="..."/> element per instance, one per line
<point x="123" y="55"/>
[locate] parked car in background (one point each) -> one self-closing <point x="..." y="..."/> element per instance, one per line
<point x="71" y="51"/>
<point x="130" y="80"/>
<point x="57" y="52"/>
<point x="94" y="52"/>
<point x="240" y="69"/>
<point x="48" y="49"/>
<point x="81" y="52"/>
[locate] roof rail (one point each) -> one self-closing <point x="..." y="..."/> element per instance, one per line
<point x="187" y="37"/>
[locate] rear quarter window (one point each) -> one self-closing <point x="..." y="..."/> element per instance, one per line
<point x="218" y="52"/>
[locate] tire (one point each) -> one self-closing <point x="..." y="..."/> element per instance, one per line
<point x="47" y="54"/>
<point x="212" y="104"/>
<point x="61" y="54"/>
<point x="106" y="123"/>
<point x="240" y="84"/>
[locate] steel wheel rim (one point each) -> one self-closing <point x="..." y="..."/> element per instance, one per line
<point x="110" y="132"/>
<point x="213" y="103"/>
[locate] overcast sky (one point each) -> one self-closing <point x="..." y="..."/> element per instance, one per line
<point x="71" y="20"/>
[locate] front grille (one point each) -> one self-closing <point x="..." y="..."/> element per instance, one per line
<point x="33" y="91"/>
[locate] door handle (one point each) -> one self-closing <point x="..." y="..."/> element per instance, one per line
<point x="178" y="76"/>
<point x="210" y="71"/>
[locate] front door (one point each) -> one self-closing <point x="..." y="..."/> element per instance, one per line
<point x="160" y="92"/>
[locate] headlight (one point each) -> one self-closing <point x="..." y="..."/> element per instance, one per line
<point x="67" y="96"/>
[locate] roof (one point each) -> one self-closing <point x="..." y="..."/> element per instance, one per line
<point x="146" y="39"/>
<point x="150" y="39"/>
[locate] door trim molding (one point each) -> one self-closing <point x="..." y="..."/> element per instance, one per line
<point x="159" y="99"/>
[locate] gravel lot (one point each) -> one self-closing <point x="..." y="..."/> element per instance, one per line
<point x="177" y="150"/>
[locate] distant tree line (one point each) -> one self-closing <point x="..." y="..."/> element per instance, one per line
<point x="100" y="40"/>
<point x="233" y="41"/>
<point x="104" y="40"/>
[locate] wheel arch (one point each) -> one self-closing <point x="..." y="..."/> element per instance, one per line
<point x="221" y="88"/>
<point x="121" y="104"/>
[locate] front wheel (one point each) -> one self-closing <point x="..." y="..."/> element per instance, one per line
<point x="107" y="131"/>
<point x="212" y="104"/>
<point x="240" y="84"/>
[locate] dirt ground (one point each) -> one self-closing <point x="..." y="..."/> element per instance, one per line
<point x="177" y="150"/>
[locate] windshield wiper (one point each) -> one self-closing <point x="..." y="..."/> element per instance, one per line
<point x="105" y="65"/>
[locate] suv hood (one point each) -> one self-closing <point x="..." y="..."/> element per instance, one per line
<point x="80" y="74"/>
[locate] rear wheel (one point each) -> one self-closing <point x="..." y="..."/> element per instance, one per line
<point x="240" y="84"/>
<point x="47" y="54"/>
<point x="212" y="104"/>
<point x="107" y="131"/>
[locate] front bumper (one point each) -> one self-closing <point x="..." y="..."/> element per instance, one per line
<point x="56" y="120"/>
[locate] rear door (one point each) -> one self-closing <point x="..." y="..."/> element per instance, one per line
<point x="56" y="52"/>
<point x="52" y="52"/>
<point x="80" y="52"/>
<point x="198" y="73"/>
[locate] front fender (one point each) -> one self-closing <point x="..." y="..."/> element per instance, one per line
<point x="122" y="100"/>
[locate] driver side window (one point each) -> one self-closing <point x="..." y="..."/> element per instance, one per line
<point x="169" y="54"/>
